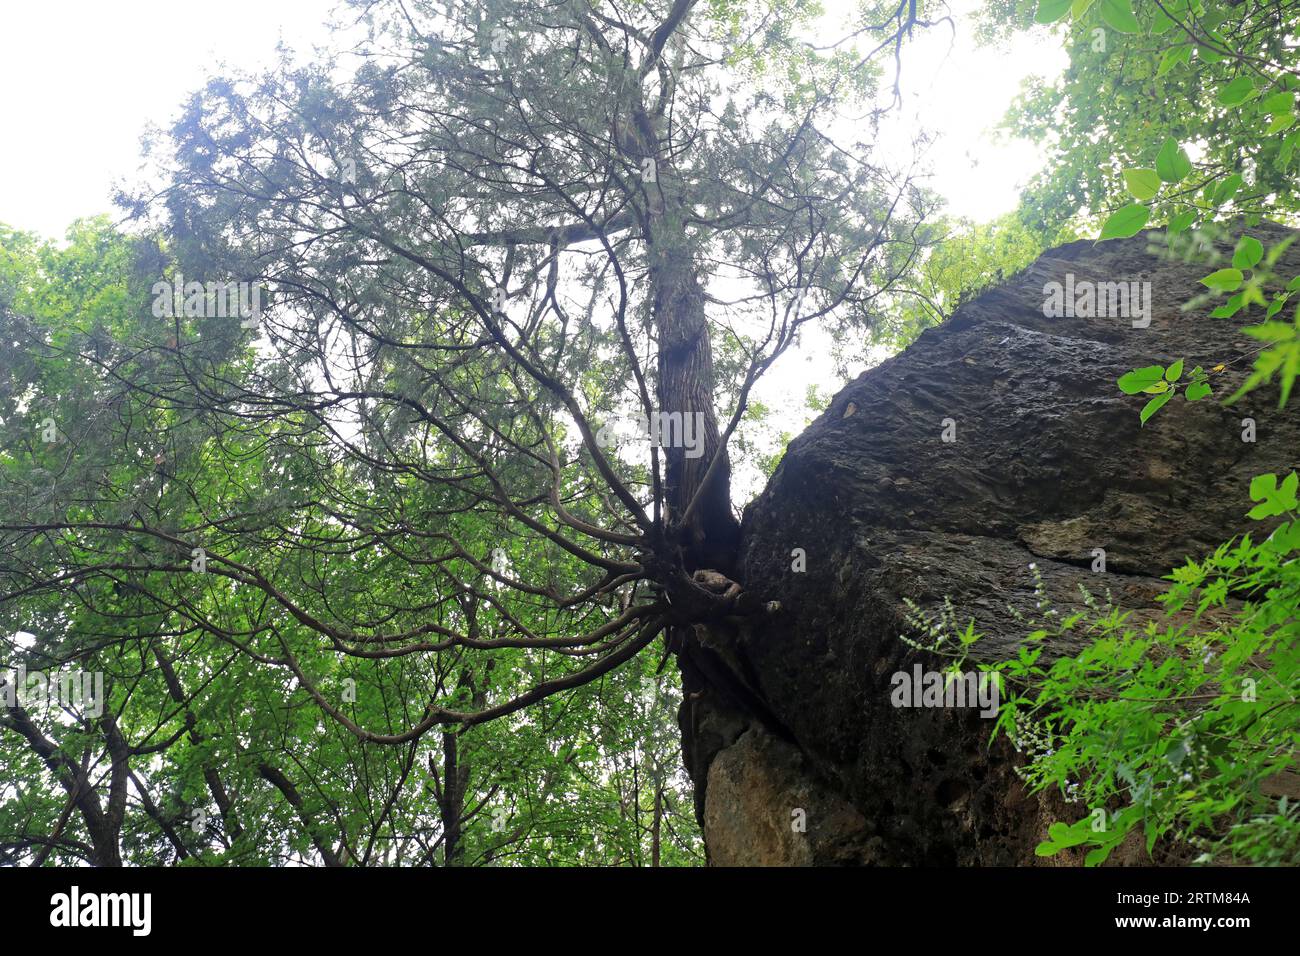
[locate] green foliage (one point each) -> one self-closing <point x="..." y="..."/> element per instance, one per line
<point x="591" y="777"/>
<point x="1125" y="222"/>
<point x="1164" y="383"/>
<point x="1227" y="82"/>
<point x="396" y="586"/>
<point x="1180" y="729"/>
<point x="963" y="259"/>
<point x="1185" y="729"/>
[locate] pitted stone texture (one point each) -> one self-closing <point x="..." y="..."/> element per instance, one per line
<point x="1049" y="463"/>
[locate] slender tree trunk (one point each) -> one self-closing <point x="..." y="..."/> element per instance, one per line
<point x="102" y="826"/>
<point x="656" y="824"/>
<point x="452" y="805"/>
<point x="318" y="836"/>
<point x="686" y="384"/>
<point x="215" y="786"/>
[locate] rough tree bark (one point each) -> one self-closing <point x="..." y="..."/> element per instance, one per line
<point x="685" y="383"/>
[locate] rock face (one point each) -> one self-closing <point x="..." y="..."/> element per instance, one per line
<point x="1048" y="463"/>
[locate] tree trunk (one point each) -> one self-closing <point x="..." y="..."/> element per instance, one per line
<point x="685" y="384"/>
<point x="657" y="823"/>
<point x="452" y="805"/>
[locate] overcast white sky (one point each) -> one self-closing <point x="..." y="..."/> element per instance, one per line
<point x="82" y="78"/>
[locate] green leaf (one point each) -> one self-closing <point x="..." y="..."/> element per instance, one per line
<point x="1261" y="486"/>
<point x="1278" y="249"/>
<point x="1237" y="92"/>
<point x="1227" y="189"/>
<point x="1172" y="163"/>
<point x="1142" y="183"/>
<point x="1287" y="151"/>
<point x="1248" y="253"/>
<point x="1229" y="308"/>
<point x="1098" y="856"/>
<point x="1079" y="8"/>
<point x="1174" y="372"/>
<point x="1161" y="22"/>
<point x="1155" y="405"/>
<point x="1271" y="331"/>
<point x="1140" y="379"/>
<point x="1212" y="54"/>
<point x="1285" y="537"/>
<point x="1125" y="222"/>
<point x="1172" y="57"/>
<point x="1278" y="103"/>
<point x="1065" y="835"/>
<point x="1224" y="280"/>
<point x="1198" y="390"/>
<point x="1274" y="499"/>
<point x="1049" y="11"/>
<point x="1280" y="122"/>
<point x="1180" y="222"/>
<point x="1119" y="15"/>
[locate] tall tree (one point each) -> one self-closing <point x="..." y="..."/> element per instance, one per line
<point x="489" y="234"/>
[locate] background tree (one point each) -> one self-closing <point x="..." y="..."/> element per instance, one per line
<point x="395" y="509"/>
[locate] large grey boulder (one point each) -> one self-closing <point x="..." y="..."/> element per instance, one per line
<point x="1048" y="464"/>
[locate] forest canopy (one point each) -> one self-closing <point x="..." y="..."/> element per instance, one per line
<point x="381" y="459"/>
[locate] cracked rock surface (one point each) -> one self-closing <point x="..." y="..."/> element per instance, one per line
<point x="1049" y="464"/>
